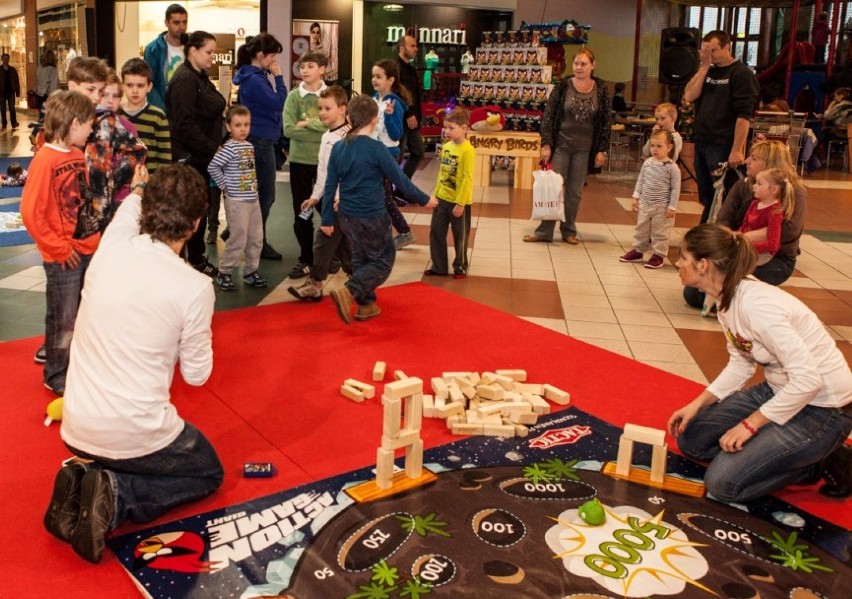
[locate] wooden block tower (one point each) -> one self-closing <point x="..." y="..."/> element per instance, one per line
<point x="642" y="434"/>
<point x="401" y="398"/>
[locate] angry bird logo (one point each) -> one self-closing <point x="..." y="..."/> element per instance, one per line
<point x="177" y="551"/>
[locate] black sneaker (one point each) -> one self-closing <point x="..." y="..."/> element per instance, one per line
<point x="97" y="508"/>
<point x="225" y="282"/>
<point x="63" y="510"/>
<point x="268" y="253"/>
<point x="40" y="356"/>
<point x="211" y="237"/>
<point x="206" y="268"/>
<point x="335" y="266"/>
<point x="299" y="270"/>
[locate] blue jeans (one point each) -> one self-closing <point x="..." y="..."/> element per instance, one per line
<point x="707" y="159"/>
<point x="63" y="300"/>
<point x="774" y="458"/>
<point x="185" y="470"/>
<point x="264" y="165"/>
<point x="373" y="254"/>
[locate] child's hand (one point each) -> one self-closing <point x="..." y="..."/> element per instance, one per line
<point x="458" y="210"/>
<point x="389" y="108"/>
<point x="309" y="203"/>
<point x="302" y="124"/>
<point x="655" y="128"/>
<point x="336" y="205"/>
<point x="670" y="213"/>
<point x="634" y="204"/>
<point x="73" y="261"/>
<point x="327" y="230"/>
<point x="432" y="203"/>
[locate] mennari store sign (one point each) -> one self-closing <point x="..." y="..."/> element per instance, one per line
<point x="430" y="35"/>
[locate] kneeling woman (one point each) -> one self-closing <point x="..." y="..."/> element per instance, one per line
<point x="774" y="434"/>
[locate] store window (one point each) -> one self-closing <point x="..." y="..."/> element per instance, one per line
<point x="63" y="30"/>
<point x="12" y="42"/>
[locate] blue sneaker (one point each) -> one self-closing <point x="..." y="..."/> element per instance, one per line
<point x="254" y="279"/>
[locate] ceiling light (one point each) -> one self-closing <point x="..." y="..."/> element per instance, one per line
<point x="392" y="7"/>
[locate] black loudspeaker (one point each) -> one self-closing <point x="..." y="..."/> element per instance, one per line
<point x="679" y="54"/>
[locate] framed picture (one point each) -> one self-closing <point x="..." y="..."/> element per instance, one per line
<point x="316" y="36"/>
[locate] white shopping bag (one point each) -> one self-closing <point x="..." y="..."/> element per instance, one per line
<point x="548" y="202"/>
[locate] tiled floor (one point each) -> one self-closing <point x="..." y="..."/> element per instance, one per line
<point x="582" y="290"/>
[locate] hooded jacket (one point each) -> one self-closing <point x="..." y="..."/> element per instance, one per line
<point x="265" y="102"/>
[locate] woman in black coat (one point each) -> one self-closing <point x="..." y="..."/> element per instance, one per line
<point x="195" y="107"/>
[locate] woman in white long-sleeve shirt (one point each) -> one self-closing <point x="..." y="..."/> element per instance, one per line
<point x="776" y="433"/>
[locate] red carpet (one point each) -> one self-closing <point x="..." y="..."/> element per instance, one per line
<point x="274" y="397"/>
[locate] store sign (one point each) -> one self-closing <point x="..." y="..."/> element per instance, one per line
<point x="495" y="143"/>
<point x="430" y="35"/>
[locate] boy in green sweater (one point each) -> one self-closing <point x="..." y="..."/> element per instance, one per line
<point x="304" y="128"/>
<point x="454" y="190"/>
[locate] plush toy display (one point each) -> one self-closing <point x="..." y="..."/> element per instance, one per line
<point x="487" y="119"/>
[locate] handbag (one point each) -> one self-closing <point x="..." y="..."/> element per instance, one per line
<point x="548" y="196"/>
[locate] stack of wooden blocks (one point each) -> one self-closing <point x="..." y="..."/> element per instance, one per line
<point x="402" y="397"/>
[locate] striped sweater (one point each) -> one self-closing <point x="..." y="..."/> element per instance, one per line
<point x="153" y="128"/>
<point x="232" y="168"/>
<point x="658" y="183"/>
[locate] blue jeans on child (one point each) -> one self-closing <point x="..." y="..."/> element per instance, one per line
<point x="373" y="254"/>
<point x="264" y="165"/>
<point x="63" y="289"/>
<point x="187" y="469"/>
<point x="775" y="457"/>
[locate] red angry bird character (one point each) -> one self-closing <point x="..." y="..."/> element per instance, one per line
<point x="177" y="551"/>
<point x="487" y="119"/>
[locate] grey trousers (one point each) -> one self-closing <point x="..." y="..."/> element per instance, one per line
<point x="573" y="166"/>
<point x="245" y="225"/>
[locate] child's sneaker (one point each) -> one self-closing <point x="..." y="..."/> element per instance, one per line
<point x="404" y="239"/>
<point x="299" y="270"/>
<point x="254" y="279"/>
<point x="655" y="261"/>
<point x="311" y="289"/>
<point x="225" y="282"/>
<point x="632" y="256"/>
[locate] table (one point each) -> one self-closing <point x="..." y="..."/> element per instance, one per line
<point x="524" y="147"/>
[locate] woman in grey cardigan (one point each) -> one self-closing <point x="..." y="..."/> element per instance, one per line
<point x="575" y="134"/>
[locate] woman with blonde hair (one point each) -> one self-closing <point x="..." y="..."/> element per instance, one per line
<point x="764" y="155"/>
<point x="575" y="134"/>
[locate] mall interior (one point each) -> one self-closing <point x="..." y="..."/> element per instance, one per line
<point x="561" y="306"/>
<point x="581" y="291"/>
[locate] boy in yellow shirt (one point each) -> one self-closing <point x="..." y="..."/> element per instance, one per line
<point x="454" y="190"/>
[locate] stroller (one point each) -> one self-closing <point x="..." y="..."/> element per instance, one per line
<point x="725" y="178"/>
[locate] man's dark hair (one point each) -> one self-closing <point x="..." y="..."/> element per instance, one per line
<point x="175" y="198"/>
<point x="136" y="66"/>
<point x="175" y="9"/>
<point x="721" y="36"/>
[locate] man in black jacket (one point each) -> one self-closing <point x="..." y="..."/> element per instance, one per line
<point x="10" y="91"/>
<point x="411" y="140"/>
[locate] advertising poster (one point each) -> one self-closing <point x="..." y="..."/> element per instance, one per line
<point x="315" y="36"/>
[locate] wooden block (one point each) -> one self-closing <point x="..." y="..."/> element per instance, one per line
<point x="487" y="378"/>
<point x="403" y="439"/>
<point x="428" y="406"/>
<point x="490" y="391"/>
<point x="439" y="387"/>
<point x="556" y="395"/>
<point x="504" y="381"/>
<point x="625" y="456"/>
<point x="658" y="463"/>
<point x="454" y="419"/>
<point x="456" y="395"/>
<point x="539" y="405"/>
<point x="462" y="380"/>
<point x="467" y="428"/>
<point x="379" y="371"/>
<point x="516" y="374"/>
<point x="472" y="415"/>
<point x="440" y="402"/>
<point x="521" y="430"/>
<point x="475" y="378"/>
<point x="414" y="412"/>
<point x="645" y="434"/>
<point x="451" y="408"/>
<point x="391" y="417"/>
<point x="399" y="375"/>
<point x="368" y="390"/>
<point x="450" y="375"/>
<point x="532" y="388"/>
<point x="403" y="388"/>
<point x="523" y="417"/>
<point x="505" y="407"/>
<point x="512" y="396"/>
<point x="384" y="467"/>
<point x="468" y="391"/>
<point x="498" y="430"/>
<point x="352" y="393"/>
<point x="414" y="459"/>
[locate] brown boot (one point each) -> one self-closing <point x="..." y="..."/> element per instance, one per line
<point x="343" y="300"/>
<point x="367" y="312"/>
